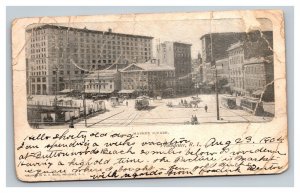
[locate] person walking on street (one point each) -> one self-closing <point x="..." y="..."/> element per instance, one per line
<point x="192" y="120"/>
<point x="196" y="120"/>
<point x="205" y="107"/>
<point x="127" y="103"/>
<point x="71" y="123"/>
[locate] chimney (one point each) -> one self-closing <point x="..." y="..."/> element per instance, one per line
<point x="109" y="30"/>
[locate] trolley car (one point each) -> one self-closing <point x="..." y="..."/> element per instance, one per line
<point x="142" y="102"/>
<point x="229" y="101"/>
<point x="252" y="105"/>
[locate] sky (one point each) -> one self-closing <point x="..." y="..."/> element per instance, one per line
<point x="187" y="31"/>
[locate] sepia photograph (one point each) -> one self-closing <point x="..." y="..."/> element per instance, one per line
<point x="113" y="74"/>
<point x="154" y="95"/>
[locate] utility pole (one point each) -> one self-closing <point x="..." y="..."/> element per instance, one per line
<point x="70" y="81"/>
<point x="56" y="85"/>
<point x="99" y="84"/>
<point x="84" y="102"/>
<point x="217" y="93"/>
<point x="213" y="63"/>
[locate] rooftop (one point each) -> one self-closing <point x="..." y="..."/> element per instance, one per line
<point x="101" y="73"/>
<point x="148" y="66"/>
<point x="45" y="26"/>
<point x="235" y="45"/>
<point x="254" y="60"/>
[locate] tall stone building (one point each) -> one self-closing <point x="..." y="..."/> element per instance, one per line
<point x="178" y="55"/>
<point x="252" y="48"/>
<point x="221" y="42"/>
<point x="259" y="77"/>
<point x="56" y="54"/>
<point x="236" y="63"/>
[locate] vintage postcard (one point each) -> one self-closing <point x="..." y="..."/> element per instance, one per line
<point x="149" y="95"/>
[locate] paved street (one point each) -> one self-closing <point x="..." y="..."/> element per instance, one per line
<point x="160" y="114"/>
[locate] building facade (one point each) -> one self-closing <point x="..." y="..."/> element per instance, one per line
<point x="222" y="41"/>
<point x="197" y="71"/>
<point x="236" y="63"/>
<point x="53" y="52"/>
<point x="256" y="45"/>
<point x="259" y="77"/>
<point x="178" y="56"/>
<point x="223" y="68"/>
<point x="104" y="82"/>
<point x="153" y="79"/>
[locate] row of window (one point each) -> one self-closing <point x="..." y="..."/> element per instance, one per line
<point x="236" y="72"/>
<point x="39" y="67"/>
<point x="237" y="82"/>
<point x="90" y="36"/>
<point x="254" y="83"/>
<point x="236" y="52"/>
<point x="38" y="45"/>
<point x="254" y="69"/>
<point x="236" y="60"/>
<point x="38" y="38"/>
<point x="33" y="51"/>
<point x="96" y="86"/>
<point x="43" y="79"/>
<point x="40" y="73"/>
<point x="39" y="61"/>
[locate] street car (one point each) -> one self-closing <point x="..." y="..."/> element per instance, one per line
<point x="142" y="102"/>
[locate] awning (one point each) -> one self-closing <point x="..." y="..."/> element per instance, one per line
<point x="66" y="91"/>
<point x="126" y="91"/>
<point x="169" y="89"/>
<point x="227" y="85"/>
<point x="258" y="92"/>
<point x="97" y="91"/>
<point x="211" y="83"/>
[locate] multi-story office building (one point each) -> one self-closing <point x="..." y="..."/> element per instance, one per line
<point x="221" y="42"/>
<point x="55" y="54"/>
<point x="178" y="56"/>
<point x="236" y="63"/>
<point x="151" y="78"/>
<point x="259" y="77"/>
<point x="222" y="66"/>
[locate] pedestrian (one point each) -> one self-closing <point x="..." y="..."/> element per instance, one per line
<point x="196" y="120"/>
<point x="127" y="103"/>
<point x="71" y="125"/>
<point x="205" y="107"/>
<point x="181" y="101"/>
<point x="192" y="120"/>
<point x="185" y="102"/>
